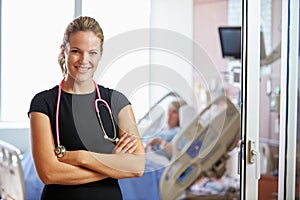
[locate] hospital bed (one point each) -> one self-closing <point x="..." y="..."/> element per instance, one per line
<point x="211" y="135"/>
<point x="11" y="174"/>
<point x="155" y="119"/>
<point x="199" y="149"/>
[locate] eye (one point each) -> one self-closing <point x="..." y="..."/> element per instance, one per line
<point x="75" y="51"/>
<point x="93" y="53"/>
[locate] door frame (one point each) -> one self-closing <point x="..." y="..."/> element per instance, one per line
<point x="289" y="99"/>
<point x="250" y="168"/>
<point x="250" y="171"/>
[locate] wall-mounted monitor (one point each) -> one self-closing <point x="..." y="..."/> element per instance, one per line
<point x="230" y="38"/>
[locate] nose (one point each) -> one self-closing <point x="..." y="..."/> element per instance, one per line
<point x="84" y="59"/>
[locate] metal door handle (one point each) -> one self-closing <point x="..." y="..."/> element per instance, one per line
<point x="254" y="158"/>
<point x="256" y="155"/>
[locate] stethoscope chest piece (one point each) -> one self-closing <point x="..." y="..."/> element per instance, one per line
<point x="60" y="151"/>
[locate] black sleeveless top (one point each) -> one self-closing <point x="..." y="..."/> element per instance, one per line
<point x="79" y="129"/>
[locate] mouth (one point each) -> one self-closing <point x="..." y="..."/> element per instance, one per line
<point x="83" y="69"/>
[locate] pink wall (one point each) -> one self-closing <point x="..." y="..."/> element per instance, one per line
<point x="208" y="16"/>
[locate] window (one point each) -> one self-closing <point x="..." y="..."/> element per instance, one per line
<point x="32" y="32"/>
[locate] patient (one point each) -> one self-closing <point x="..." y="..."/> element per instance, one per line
<point x="148" y="183"/>
<point x="161" y="143"/>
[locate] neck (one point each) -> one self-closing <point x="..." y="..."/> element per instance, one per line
<point x="78" y="87"/>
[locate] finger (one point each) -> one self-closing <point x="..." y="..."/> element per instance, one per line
<point x="120" y="149"/>
<point x="114" y="150"/>
<point x="129" y="145"/>
<point x="133" y="137"/>
<point x="117" y="150"/>
<point x="124" y="143"/>
<point x="126" y="140"/>
<point x="132" y="149"/>
<point x="122" y="138"/>
<point x="121" y="141"/>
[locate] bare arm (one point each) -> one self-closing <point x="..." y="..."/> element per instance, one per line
<point x="49" y="169"/>
<point x="120" y="165"/>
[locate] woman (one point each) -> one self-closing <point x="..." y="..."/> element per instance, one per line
<point x="161" y="143"/>
<point x="76" y="154"/>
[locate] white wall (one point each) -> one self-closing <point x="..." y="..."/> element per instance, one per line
<point x="18" y="137"/>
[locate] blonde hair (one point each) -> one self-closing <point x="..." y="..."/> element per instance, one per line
<point x="177" y="104"/>
<point x="80" y="24"/>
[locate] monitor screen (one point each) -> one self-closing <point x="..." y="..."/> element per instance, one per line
<point x="230" y="38"/>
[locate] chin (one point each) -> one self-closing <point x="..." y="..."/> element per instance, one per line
<point x="81" y="78"/>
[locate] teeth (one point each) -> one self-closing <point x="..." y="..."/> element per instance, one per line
<point x="83" y="69"/>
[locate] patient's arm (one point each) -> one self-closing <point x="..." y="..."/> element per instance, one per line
<point x="49" y="169"/>
<point x="164" y="145"/>
<point x="167" y="146"/>
<point x="154" y="141"/>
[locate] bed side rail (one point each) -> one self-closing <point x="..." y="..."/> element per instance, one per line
<point x="11" y="174"/>
<point x="207" y="149"/>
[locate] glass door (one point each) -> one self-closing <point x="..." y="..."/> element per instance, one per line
<point x="270" y="98"/>
<point x="288" y="155"/>
<point x="250" y="167"/>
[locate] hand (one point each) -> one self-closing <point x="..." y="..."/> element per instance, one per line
<point x="126" y="144"/>
<point x="154" y="141"/>
<point x="72" y="157"/>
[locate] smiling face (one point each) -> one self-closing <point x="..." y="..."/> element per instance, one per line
<point x="82" y="54"/>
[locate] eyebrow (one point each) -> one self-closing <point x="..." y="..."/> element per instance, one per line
<point x="89" y="50"/>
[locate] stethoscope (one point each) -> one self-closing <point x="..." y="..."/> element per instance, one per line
<point x="60" y="150"/>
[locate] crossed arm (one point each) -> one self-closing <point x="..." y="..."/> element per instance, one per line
<point x="78" y="167"/>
